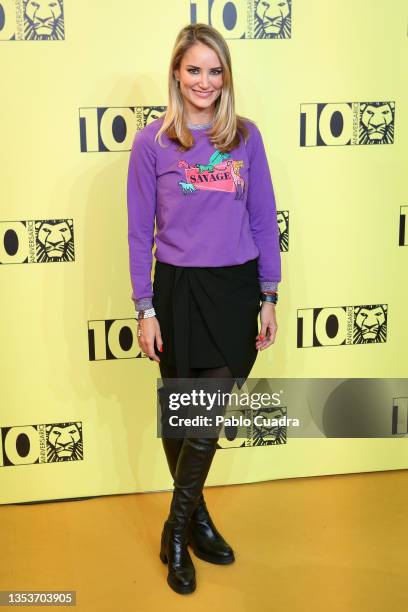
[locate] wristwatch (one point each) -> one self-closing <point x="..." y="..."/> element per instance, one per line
<point x="269" y="297"/>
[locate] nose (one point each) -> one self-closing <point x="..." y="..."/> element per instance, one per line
<point x="204" y="81"/>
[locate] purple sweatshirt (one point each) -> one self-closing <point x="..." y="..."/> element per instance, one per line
<point x="210" y="208"/>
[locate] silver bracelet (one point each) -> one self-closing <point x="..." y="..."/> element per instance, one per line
<point x="145" y="314"/>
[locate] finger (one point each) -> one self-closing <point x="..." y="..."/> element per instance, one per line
<point x="274" y="329"/>
<point x="159" y="342"/>
<point x="151" y="352"/>
<point x="260" y="340"/>
<point x="265" y="342"/>
<point x="145" y="348"/>
<point x="269" y="337"/>
<point x="262" y="333"/>
<point x="261" y="345"/>
<point x="152" y="355"/>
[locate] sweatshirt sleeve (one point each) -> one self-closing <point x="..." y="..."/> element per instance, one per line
<point x="261" y="206"/>
<point x="141" y="206"/>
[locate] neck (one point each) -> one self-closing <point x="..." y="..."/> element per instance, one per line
<point x="198" y="121"/>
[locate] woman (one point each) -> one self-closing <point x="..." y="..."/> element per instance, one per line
<point x="201" y="173"/>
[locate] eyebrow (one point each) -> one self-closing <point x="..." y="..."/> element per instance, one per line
<point x="192" y="66"/>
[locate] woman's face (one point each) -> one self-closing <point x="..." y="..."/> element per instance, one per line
<point x="200" y="76"/>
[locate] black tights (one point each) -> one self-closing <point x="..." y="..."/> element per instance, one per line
<point x="168" y="371"/>
<point x="172" y="446"/>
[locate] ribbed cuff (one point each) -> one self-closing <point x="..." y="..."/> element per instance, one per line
<point x="143" y="303"/>
<point x="269" y="285"/>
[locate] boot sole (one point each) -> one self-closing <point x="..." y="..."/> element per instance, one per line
<point x="178" y="589"/>
<point x="216" y="560"/>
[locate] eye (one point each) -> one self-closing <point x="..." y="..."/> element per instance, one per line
<point x="216" y="71"/>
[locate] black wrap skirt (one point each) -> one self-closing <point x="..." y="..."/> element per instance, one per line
<point x="208" y="316"/>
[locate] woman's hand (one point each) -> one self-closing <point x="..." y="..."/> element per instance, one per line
<point x="268" y="326"/>
<point x="150" y="332"/>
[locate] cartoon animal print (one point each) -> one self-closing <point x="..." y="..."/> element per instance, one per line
<point x="184" y="164"/>
<point x="216" y="158"/>
<point x="239" y="182"/>
<point x="186" y="187"/>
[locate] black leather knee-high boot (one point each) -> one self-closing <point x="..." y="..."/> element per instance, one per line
<point x="203" y="536"/>
<point x="192" y="468"/>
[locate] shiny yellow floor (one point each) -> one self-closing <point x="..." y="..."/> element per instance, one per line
<point x="323" y="543"/>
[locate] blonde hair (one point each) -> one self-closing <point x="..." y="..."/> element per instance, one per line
<point x="226" y="123"/>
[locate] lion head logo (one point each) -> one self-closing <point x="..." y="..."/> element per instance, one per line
<point x="377" y="123"/>
<point x="151" y="113"/>
<point x="64" y="442"/>
<point x="370" y="324"/>
<point x="273" y="19"/>
<point x="55" y="240"/>
<point x="262" y="433"/>
<point x="43" y="20"/>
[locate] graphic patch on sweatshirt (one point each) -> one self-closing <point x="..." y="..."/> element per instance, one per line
<point x="220" y="174"/>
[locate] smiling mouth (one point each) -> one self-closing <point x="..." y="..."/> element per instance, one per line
<point x="202" y="93"/>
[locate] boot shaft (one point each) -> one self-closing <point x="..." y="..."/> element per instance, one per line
<point x="193" y="465"/>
